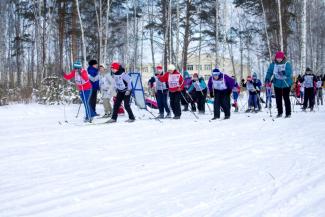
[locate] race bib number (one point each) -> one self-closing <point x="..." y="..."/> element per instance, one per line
<point x="173" y="80"/>
<point x="279" y="71"/>
<point x="308" y="81"/>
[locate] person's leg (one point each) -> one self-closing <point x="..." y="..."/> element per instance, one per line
<point x="286" y="98"/>
<point x="226" y="105"/>
<point x="312" y="98"/>
<point x="178" y="104"/>
<point x="159" y="97"/>
<point x="165" y="103"/>
<point x="93" y="100"/>
<point x="127" y="106"/>
<point x="172" y="102"/>
<point x="306" y="98"/>
<point x="217" y="104"/>
<point x="278" y="98"/>
<point x="106" y="105"/>
<point x="84" y="95"/>
<point x="117" y="104"/>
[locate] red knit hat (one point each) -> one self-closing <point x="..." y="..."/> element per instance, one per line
<point x="279" y="55"/>
<point x="159" y="67"/>
<point x="115" y="65"/>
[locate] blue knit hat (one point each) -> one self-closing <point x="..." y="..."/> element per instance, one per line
<point x="254" y="75"/>
<point x="216" y="72"/>
<point x="77" y="65"/>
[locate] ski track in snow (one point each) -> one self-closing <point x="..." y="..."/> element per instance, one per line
<point x="242" y="167"/>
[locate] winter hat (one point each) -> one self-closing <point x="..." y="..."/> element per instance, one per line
<point x="196" y="75"/>
<point x="216" y="72"/>
<point x="77" y="65"/>
<point x="171" y="67"/>
<point x="92" y="62"/>
<point x="115" y="65"/>
<point x="254" y="75"/>
<point x="186" y="74"/>
<point x="249" y="78"/>
<point x="159" y="67"/>
<point x="279" y="55"/>
<point x="308" y="69"/>
<point x="102" y="65"/>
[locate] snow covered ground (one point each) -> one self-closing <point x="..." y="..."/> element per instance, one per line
<point x="242" y="167"/>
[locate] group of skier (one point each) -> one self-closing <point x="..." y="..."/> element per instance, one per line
<point x="174" y="89"/>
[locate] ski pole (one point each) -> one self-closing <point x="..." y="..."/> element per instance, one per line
<point x="188" y="103"/>
<point x="79" y="109"/>
<point x="86" y="103"/>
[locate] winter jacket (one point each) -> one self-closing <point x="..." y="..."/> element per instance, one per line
<point x="81" y="79"/>
<point x="257" y="84"/>
<point x="93" y="77"/>
<point x="123" y="81"/>
<point x="308" y="80"/>
<point x="198" y="85"/>
<point x="155" y="83"/>
<point x="281" y="74"/>
<point x="174" y="80"/>
<point x="224" y="84"/>
<point x="106" y="84"/>
<point x="236" y="88"/>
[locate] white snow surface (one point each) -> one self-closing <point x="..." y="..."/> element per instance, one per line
<point x="242" y="167"/>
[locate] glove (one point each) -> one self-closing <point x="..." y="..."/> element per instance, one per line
<point x="127" y="93"/>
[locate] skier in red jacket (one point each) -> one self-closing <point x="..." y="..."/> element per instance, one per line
<point x="84" y="86"/>
<point x="175" y="85"/>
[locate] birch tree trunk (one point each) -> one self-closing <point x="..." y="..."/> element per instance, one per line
<point x="84" y="53"/>
<point x="217" y="33"/>
<point x="107" y="28"/>
<point x="280" y="25"/>
<point x="266" y="33"/>
<point x="303" y="36"/>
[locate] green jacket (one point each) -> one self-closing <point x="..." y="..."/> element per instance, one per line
<point x="280" y="74"/>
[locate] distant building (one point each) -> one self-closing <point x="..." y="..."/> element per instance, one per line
<point x="204" y="68"/>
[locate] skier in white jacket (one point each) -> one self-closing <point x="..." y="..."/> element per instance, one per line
<point x="106" y="84"/>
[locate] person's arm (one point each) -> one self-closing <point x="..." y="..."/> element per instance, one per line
<point x="210" y="85"/>
<point x="70" y="75"/>
<point x="203" y="84"/>
<point x="84" y="75"/>
<point x="181" y="81"/>
<point x="190" y="88"/>
<point x="288" y="71"/>
<point x="163" y="78"/>
<point x="93" y="75"/>
<point x="127" y="79"/>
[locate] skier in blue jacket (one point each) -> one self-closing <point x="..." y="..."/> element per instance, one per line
<point x="94" y="79"/>
<point x="280" y="73"/>
<point x="198" y="90"/>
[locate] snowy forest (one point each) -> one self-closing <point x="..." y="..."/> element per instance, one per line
<point x="41" y="38"/>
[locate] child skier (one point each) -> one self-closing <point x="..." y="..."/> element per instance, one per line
<point x="252" y="99"/>
<point x="258" y="84"/>
<point x="161" y="92"/>
<point x="187" y="83"/>
<point x="200" y="92"/>
<point x="106" y="84"/>
<point x="235" y="93"/>
<point x="175" y="87"/>
<point x="84" y="86"/>
<point x="123" y="88"/>
<point x="308" y="80"/>
<point x="94" y="79"/>
<point x="268" y="93"/>
<point x="220" y="87"/>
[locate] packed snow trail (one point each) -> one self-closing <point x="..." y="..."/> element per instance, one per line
<point x="242" y="167"/>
